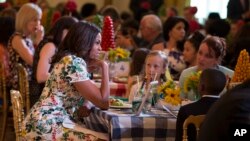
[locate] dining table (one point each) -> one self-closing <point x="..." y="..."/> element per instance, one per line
<point x="123" y="125"/>
<point x="117" y="89"/>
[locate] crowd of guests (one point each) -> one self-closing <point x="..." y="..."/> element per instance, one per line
<point x="60" y="57"/>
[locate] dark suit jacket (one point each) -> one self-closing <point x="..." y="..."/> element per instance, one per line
<point x="230" y="112"/>
<point x="235" y="9"/>
<point x="199" y="107"/>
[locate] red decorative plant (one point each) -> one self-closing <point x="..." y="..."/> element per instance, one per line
<point x="108" y="37"/>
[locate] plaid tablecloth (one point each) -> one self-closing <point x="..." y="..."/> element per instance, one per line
<point x="123" y="125"/>
<point x="116" y="89"/>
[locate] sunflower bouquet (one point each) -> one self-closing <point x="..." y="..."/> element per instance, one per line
<point x="170" y="93"/>
<point x="118" y="54"/>
<point x="191" y="83"/>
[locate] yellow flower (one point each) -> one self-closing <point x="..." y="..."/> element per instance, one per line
<point x="118" y="54"/>
<point x="23" y="133"/>
<point x="170" y="92"/>
<point x="67" y="59"/>
<point x="191" y="83"/>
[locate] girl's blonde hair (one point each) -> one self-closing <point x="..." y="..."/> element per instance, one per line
<point x="164" y="59"/>
<point x="161" y="54"/>
<point x="26" y="13"/>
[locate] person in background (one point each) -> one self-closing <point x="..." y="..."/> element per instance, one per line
<point x="189" y="15"/>
<point x="8" y="12"/>
<point x="126" y="37"/>
<point x="211" y="83"/>
<point x="218" y="27"/>
<point x="238" y="9"/>
<point x="57" y="114"/>
<point x="21" y="46"/>
<point x="88" y="9"/>
<point x="191" y="47"/>
<point x="136" y="67"/>
<point x="155" y="68"/>
<point x="241" y="41"/>
<point x="151" y="31"/>
<point x="210" y="54"/>
<point x="174" y="32"/>
<point x="43" y="55"/>
<point x="112" y="11"/>
<point x="230" y="112"/>
<point x="5" y="33"/>
<point x="171" y="12"/>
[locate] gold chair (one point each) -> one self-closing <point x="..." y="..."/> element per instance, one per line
<point x="196" y="120"/>
<point x="18" y="114"/>
<point x="3" y="97"/>
<point x="23" y="81"/>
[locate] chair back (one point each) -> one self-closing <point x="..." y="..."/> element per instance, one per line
<point x="196" y="120"/>
<point x="18" y="114"/>
<point x="23" y="81"/>
<point x="2" y="84"/>
<point x="3" y="98"/>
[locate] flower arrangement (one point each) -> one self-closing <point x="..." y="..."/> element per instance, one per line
<point x="170" y="92"/>
<point x="191" y="83"/>
<point x="118" y="54"/>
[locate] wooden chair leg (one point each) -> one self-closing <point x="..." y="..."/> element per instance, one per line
<point x="4" y="125"/>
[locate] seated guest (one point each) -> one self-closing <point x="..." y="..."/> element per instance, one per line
<point x="21" y="46"/>
<point x="136" y="67"/>
<point x="61" y="104"/>
<point x="210" y="53"/>
<point x="151" y="31"/>
<point x="174" y="32"/>
<point x="230" y="112"/>
<point x="191" y="47"/>
<point x="155" y="68"/>
<point x="211" y="83"/>
<point x="45" y="50"/>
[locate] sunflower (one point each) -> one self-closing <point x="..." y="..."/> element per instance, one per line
<point x="118" y="54"/>
<point x="170" y="92"/>
<point x="191" y="83"/>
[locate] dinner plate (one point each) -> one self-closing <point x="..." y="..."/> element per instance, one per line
<point x="124" y="106"/>
<point x="120" y="79"/>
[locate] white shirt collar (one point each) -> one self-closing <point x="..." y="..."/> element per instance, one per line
<point x="213" y="96"/>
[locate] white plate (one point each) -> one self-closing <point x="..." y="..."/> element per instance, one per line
<point x="124" y="106"/>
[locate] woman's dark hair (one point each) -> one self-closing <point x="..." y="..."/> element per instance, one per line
<point x="55" y="34"/>
<point x="88" y="9"/>
<point x="79" y="41"/>
<point x="138" y="59"/>
<point x="217" y="45"/>
<point x="195" y="39"/>
<point x="7" y="25"/>
<point x="169" y="24"/>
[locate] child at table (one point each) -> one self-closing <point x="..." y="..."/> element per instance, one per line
<point x="211" y="83"/>
<point x="155" y="67"/>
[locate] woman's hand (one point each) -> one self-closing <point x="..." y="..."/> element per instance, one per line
<point x="95" y="64"/>
<point x="39" y="34"/>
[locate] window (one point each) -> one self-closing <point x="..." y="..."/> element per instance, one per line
<point x="207" y="6"/>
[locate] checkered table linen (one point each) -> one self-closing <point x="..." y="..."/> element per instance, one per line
<point x="123" y="125"/>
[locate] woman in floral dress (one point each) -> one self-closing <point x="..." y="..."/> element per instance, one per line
<point x="56" y="115"/>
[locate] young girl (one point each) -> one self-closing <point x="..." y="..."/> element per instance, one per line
<point x="155" y="67"/>
<point x="191" y="47"/>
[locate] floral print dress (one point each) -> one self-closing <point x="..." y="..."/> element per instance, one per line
<point x="176" y="62"/>
<point x="15" y="58"/>
<point x="58" y="104"/>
